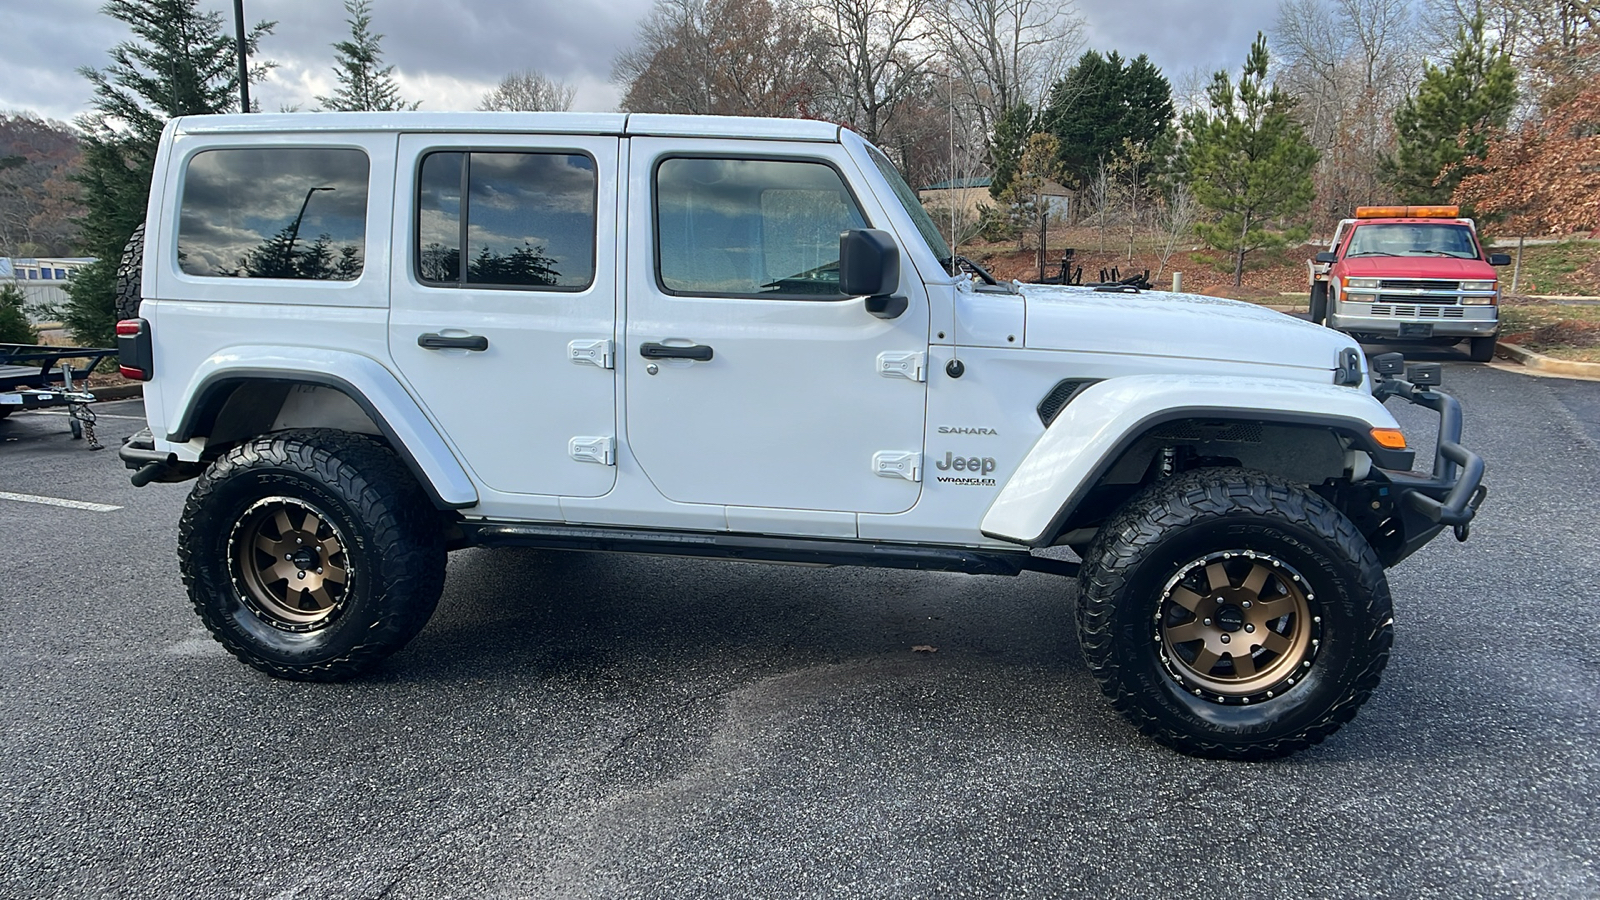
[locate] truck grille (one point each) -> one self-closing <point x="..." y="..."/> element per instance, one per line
<point x="1403" y="284"/>
<point x="1415" y="312"/>
<point x="1417" y="298"/>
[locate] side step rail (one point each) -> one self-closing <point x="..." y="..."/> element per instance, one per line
<point x="762" y="548"/>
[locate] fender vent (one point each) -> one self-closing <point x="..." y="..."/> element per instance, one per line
<point x="1060" y="395"/>
<point x="1201" y="432"/>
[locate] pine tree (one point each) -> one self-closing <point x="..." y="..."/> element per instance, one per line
<point x="1006" y="146"/>
<point x="14" y="325"/>
<point x="1104" y="105"/>
<point x="1450" y="118"/>
<point x="1249" y="163"/>
<point x="180" y="62"/>
<point x="364" y="82"/>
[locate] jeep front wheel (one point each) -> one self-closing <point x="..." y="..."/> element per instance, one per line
<point x="311" y="555"/>
<point x="1232" y="616"/>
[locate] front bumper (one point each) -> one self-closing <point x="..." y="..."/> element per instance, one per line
<point x="1392" y="325"/>
<point x="1451" y="494"/>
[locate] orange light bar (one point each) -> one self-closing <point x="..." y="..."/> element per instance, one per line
<point x="1389" y="438"/>
<point x="1408" y="212"/>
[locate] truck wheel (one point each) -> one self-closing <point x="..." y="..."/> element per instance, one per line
<point x="1483" y="348"/>
<point x="312" y="554"/>
<point x="1319" y="302"/>
<point x="1232" y="616"/>
<point x="129" y="289"/>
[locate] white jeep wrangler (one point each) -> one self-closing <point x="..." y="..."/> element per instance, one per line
<point x="378" y="337"/>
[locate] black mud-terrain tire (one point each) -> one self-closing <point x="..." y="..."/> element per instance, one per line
<point x="1132" y="570"/>
<point x="129" y="290"/>
<point x="1319" y="302"/>
<point x="1482" y="348"/>
<point x="390" y="552"/>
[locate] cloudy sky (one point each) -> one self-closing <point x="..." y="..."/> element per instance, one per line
<point x="448" y="52"/>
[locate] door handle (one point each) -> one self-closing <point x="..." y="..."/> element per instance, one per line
<point x="662" y="351"/>
<point x="432" y="341"/>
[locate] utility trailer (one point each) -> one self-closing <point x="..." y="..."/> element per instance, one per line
<point x="35" y="376"/>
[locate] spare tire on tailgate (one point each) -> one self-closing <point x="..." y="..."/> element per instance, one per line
<point x="129" y="291"/>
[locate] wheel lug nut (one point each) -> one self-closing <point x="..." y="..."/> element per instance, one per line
<point x="1245" y="604"/>
<point x="1207" y="622"/>
<point x="300" y="574"/>
<point x="1249" y="628"/>
<point x="1225" y="638"/>
<point x="319" y="572"/>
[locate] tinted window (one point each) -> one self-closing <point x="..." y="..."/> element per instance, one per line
<point x="528" y="219"/>
<point x="274" y="212"/>
<point x="751" y="227"/>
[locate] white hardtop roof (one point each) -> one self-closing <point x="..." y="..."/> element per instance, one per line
<point x="621" y="124"/>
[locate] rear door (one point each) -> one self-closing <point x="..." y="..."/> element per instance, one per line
<point x="503" y="306"/>
<point x="751" y="381"/>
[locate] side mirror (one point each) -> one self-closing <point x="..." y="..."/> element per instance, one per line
<point x="869" y="266"/>
<point x="1499" y="259"/>
<point x="1326" y="256"/>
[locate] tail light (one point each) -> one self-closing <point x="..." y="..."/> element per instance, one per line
<point x="134" y="357"/>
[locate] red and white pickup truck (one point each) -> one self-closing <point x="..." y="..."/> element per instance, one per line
<point x="1409" y="273"/>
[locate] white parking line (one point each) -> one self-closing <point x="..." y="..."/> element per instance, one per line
<point x="57" y="501"/>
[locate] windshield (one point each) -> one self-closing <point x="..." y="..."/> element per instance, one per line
<point x="913" y="206"/>
<point x="1413" y="239"/>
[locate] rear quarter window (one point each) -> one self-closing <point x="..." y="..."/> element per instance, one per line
<point x="274" y="212"/>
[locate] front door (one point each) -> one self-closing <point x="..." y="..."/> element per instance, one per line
<point x="503" y="306"/>
<point x="751" y="381"/>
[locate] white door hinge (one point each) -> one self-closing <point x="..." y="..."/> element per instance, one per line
<point x="592" y="353"/>
<point x="602" y="450"/>
<point x="897" y="464"/>
<point x="902" y="365"/>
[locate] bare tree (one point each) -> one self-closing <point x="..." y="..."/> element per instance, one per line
<point x="1173" y="221"/>
<point x="1103" y="194"/>
<point x="1006" y="52"/>
<point x="1546" y="40"/>
<point x="529" y="91"/>
<point x="875" y="56"/>
<point x="1347" y="65"/>
<point x="721" y="57"/>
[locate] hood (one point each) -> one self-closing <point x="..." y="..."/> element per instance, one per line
<point x="1189" y="326"/>
<point x="1418" y="267"/>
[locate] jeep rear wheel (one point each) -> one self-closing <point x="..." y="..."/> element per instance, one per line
<point x="311" y="555"/>
<point x="1232" y="616"/>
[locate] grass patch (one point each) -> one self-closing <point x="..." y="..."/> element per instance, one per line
<point x="1563" y="331"/>
<point x="1570" y="268"/>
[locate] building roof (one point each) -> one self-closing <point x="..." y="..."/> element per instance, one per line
<point x="954" y="183"/>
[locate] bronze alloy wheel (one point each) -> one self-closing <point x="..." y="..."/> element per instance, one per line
<point x="1237" y="627"/>
<point x="289" y="564"/>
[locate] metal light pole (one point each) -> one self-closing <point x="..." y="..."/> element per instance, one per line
<point x="244" y="67"/>
<point x="294" y="233"/>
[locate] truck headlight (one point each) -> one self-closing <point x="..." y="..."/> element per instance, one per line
<point x="1478" y="286"/>
<point x="1360" y="284"/>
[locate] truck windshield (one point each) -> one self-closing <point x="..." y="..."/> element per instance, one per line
<point x="913" y="206"/>
<point x="1413" y="239"/>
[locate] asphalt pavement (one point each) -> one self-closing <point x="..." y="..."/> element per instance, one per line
<point x="585" y="725"/>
